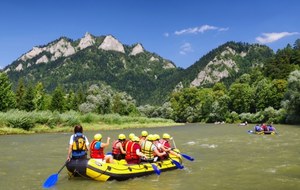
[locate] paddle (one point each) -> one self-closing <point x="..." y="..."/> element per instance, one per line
<point x="184" y="155"/>
<point x="187" y="157"/>
<point x="155" y="168"/>
<point x="178" y="165"/>
<point x="51" y="181"/>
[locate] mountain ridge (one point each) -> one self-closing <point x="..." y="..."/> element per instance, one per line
<point x="146" y="76"/>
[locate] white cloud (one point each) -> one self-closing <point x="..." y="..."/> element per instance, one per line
<point x="272" y="37"/>
<point x="185" y="48"/>
<point x="166" y="34"/>
<point x="200" y="29"/>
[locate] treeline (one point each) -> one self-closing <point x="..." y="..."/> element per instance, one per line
<point x="270" y="93"/>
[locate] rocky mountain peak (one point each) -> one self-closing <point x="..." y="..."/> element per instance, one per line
<point x="218" y="68"/>
<point x="137" y="49"/>
<point x="111" y="43"/>
<point x="86" y="41"/>
<point x="32" y="53"/>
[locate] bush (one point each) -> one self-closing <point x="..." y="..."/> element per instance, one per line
<point x="23" y="121"/>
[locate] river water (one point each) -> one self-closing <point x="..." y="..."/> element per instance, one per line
<point x="226" y="157"/>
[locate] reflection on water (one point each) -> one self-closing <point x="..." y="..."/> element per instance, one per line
<point x="226" y="157"/>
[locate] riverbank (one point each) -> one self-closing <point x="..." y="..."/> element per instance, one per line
<point x="20" y="122"/>
<point x="86" y="126"/>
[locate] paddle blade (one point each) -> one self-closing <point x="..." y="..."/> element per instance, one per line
<point x="155" y="168"/>
<point x="187" y="157"/>
<point x="51" y="181"/>
<point x="178" y="165"/>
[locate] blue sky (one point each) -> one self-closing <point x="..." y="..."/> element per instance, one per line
<point x="181" y="31"/>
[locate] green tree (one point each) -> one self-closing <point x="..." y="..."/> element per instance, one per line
<point x="28" y="100"/>
<point x="279" y="87"/>
<point x="241" y="96"/>
<point x="71" y="101"/>
<point x="58" y="100"/>
<point x="39" y="97"/>
<point x="20" y="92"/>
<point x="7" y="96"/>
<point x="297" y="44"/>
<point x="292" y="98"/>
<point x="263" y="94"/>
<point x="123" y="104"/>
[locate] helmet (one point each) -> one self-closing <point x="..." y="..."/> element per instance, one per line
<point x="166" y="136"/>
<point x="156" y="137"/>
<point x="98" y="137"/>
<point x="144" y="133"/>
<point x="135" y="139"/>
<point x="122" y="137"/>
<point x="131" y="135"/>
<point x="151" y="137"/>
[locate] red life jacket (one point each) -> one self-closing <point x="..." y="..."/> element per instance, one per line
<point x="115" y="149"/>
<point x="131" y="148"/>
<point x="96" y="153"/>
<point x="165" y="143"/>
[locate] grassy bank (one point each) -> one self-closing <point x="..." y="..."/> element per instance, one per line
<point x="20" y="122"/>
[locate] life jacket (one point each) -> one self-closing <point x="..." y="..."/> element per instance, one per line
<point x="147" y="149"/>
<point x="96" y="153"/>
<point x="115" y="149"/>
<point x="79" y="147"/>
<point x="131" y="151"/>
<point x="165" y="143"/>
<point x="258" y="128"/>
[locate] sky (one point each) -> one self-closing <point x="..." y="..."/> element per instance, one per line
<point x="178" y="30"/>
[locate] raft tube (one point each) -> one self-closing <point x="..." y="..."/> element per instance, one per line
<point x="262" y="132"/>
<point x="98" y="170"/>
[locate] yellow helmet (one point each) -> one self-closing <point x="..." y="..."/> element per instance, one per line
<point x="156" y="137"/>
<point x="166" y="136"/>
<point x="135" y="139"/>
<point x="122" y="137"/>
<point x="131" y="135"/>
<point x="97" y="137"/>
<point x="144" y="133"/>
<point x="151" y="137"/>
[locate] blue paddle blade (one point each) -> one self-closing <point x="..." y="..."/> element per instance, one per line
<point x="51" y="181"/>
<point x="155" y="168"/>
<point x="187" y="157"/>
<point x="178" y="165"/>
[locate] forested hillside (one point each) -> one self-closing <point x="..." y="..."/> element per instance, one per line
<point x="234" y="82"/>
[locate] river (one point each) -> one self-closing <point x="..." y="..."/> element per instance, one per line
<point x="226" y="157"/>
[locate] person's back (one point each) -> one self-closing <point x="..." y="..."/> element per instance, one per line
<point x="133" y="151"/>
<point x="147" y="147"/>
<point x="271" y="128"/>
<point x="78" y="144"/>
<point x="257" y="128"/>
<point x="118" y="151"/>
<point x="97" y="149"/>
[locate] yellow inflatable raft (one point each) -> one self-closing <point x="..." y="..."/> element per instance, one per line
<point x="98" y="170"/>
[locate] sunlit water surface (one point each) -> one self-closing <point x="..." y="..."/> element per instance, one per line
<point x="226" y="157"/>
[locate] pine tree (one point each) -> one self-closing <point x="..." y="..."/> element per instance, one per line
<point x="28" y="100"/>
<point x="39" y="97"/>
<point x="7" y="96"/>
<point x="20" y="92"/>
<point x="58" y="100"/>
